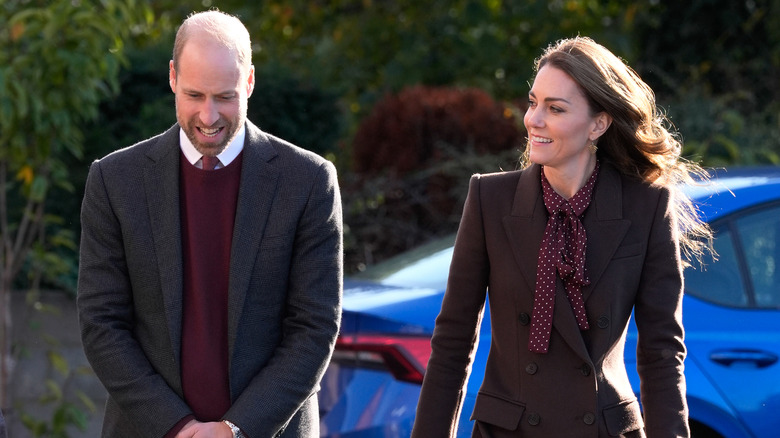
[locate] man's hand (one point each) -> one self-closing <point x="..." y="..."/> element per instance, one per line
<point x="196" y="429"/>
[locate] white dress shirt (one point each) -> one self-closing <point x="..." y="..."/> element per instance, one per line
<point x="225" y="158"/>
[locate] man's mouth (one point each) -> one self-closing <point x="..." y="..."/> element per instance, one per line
<point x="210" y="132"/>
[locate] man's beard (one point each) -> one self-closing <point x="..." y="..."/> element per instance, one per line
<point x="230" y="129"/>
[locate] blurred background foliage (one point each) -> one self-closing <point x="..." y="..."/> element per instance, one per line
<point x="371" y="84"/>
<point x="60" y="61"/>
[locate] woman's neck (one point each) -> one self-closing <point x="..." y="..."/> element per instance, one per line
<point x="567" y="182"/>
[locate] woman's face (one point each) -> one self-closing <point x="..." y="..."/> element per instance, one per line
<point x="559" y="123"/>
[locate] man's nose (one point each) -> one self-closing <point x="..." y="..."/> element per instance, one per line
<point x="209" y="113"/>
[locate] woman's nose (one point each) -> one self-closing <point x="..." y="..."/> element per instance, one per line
<point x="533" y="118"/>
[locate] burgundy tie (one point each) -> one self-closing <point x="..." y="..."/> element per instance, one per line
<point x="209" y="163"/>
<point x="562" y="253"/>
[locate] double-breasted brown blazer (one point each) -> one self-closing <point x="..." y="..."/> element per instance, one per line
<point x="580" y="387"/>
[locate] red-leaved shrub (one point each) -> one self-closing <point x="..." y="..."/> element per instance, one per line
<point x="413" y="156"/>
<point x="403" y="130"/>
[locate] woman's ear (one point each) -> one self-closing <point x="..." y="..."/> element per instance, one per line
<point x="601" y="123"/>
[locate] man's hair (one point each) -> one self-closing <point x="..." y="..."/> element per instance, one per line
<point x="224" y="28"/>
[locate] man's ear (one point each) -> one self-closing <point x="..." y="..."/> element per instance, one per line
<point x="172" y="76"/>
<point x="250" y="84"/>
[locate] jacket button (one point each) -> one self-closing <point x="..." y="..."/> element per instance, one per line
<point x="531" y="368"/>
<point x="603" y="322"/>
<point x="585" y="370"/>
<point x="588" y="418"/>
<point x="534" y="419"/>
<point x="525" y="318"/>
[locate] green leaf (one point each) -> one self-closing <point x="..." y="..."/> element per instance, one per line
<point x="86" y="401"/>
<point x="38" y="189"/>
<point x="59" y="363"/>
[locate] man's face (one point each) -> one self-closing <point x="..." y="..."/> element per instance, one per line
<point x="211" y="94"/>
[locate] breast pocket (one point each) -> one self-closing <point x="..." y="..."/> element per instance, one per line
<point x="628" y="250"/>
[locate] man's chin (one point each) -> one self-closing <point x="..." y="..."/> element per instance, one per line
<point x="212" y="149"/>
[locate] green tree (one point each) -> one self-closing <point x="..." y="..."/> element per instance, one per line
<point x="367" y="48"/>
<point x="716" y="73"/>
<point x="58" y="59"/>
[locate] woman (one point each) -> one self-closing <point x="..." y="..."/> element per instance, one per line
<point x="566" y="249"/>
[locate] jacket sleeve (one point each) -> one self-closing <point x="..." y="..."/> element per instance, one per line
<point x="312" y="316"/>
<point x="456" y="332"/>
<point x="106" y="318"/>
<point x="658" y="312"/>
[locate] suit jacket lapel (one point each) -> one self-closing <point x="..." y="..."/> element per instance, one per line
<point x="525" y="225"/>
<point x="525" y="230"/>
<point x="605" y="225"/>
<point x="161" y="183"/>
<point x="606" y="228"/>
<point x="256" y="195"/>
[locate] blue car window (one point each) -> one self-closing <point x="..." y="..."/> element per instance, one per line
<point x="718" y="280"/>
<point x="760" y="239"/>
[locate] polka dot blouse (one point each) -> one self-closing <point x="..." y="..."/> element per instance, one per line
<point x="562" y="254"/>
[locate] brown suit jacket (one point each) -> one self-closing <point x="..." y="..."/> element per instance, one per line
<point x="580" y="388"/>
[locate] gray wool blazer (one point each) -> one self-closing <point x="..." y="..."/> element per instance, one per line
<point x="284" y="289"/>
<point x="580" y="388"/>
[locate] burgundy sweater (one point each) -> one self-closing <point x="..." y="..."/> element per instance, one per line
<point x="208" y="211"/>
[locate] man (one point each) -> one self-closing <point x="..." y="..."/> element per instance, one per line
<point x="209" y="300"/>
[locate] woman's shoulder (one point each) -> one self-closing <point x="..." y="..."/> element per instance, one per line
<point x="505" y="177"/>
<point x="634" y="185"/>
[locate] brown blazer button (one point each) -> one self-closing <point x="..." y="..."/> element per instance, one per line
<point x="585" y="369"/>
<point x="603" y="322"/>
<point x="534" y="419"/>
<point x="525" y="318"/>
<point x="588" y="418"/>
<point x="531" y="368"/>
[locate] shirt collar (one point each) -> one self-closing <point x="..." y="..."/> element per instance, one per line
<point x="226" y="157"/>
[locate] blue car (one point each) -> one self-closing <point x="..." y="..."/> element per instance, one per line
<point x="731" y="313"/>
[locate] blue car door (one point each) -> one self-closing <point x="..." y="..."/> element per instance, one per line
<point x="733" y="329"/>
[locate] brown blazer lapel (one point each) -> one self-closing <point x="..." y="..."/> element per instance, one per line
<point x="525" y="230"/>
<point x="605" y="225"/>
<point x="525" y="225"/>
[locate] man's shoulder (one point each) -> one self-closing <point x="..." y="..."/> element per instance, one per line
<point x="139" y="153"/>
<point x="282" y="151"/>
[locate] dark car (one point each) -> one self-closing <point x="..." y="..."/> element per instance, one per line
<point x="731" y="313"/>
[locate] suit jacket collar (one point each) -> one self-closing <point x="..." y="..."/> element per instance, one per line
<point x="161" y="182"/>
<point x="256" y="192"/>
<point x="605" y="229"/>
